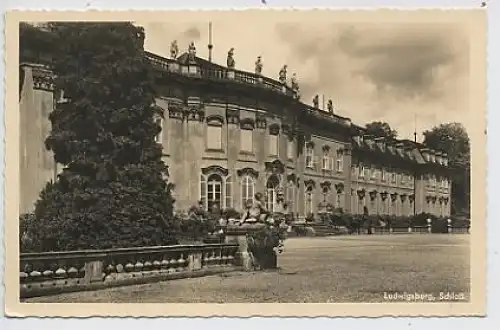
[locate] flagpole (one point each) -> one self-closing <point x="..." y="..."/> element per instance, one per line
<point x="210" y="45"/>
<point x="415" y="172"/>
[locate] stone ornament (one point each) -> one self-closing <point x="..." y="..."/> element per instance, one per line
<point x="174" y="49"/>
<point x="258" y="66"/>
<point x="192" y="51"/>
<point x="282" y="74"/>
<point x="230" y="59"/>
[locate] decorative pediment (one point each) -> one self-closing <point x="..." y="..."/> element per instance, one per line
<point x="260" y="120"/>
<point x="428" y="198"/>
<point x="325" y="186"/>
<point x="274" y="129"/>
<point x="247" y="123"/>
<point x="394" y="196"/>
<point x="383" y="195"/>
<point x="434" y="198"/>
<point x="215" y="169"/>
<point x="195" y="113"/>
<point x="403" y="197"/>
<point x="441" y="200"/>
<point x="446" y="200"/>
<point x="215" y="120"/>
<point x="248" y="171"/>
<point x="292" y="178"/>
<point x="286" y="128"/>
<point x="176" y="111"/>
<point x="326" y="148"/>
<point x="373" y="194"/>
<point x="411" y="198"/>
<point x="233" y="116"/>
<point x="276" y="167"/>
<point x="361" y="193"/>
<point x="310" y="183"/>
<point x="339" y="187"/>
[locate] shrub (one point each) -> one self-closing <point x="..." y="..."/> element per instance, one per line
<point x="263" y="242"/>
<point x="112" y="191"/>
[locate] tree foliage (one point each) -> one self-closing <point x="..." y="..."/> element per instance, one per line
<point x="381" y="129"/>
<point x="453" y="139"/>
<point x="112" y="191"/>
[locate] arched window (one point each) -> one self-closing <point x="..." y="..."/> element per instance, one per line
<point x="308" y="200"/>
<point x="215" y="189"/>
<point x="274" y="140"/>
<point x="290" y="195"/>
<point x="247" y="190"/>
<point x="271" y="192"/>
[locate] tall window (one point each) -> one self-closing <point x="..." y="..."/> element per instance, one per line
<point x="290" y="149"/>
<point x="290" y="195"/>
<point x="271" y="193"/>
<point x="228" y="201"/>
<point x="273" y="144"/>
<point x="383" y="174"/>
<point x="159" y="136"/>
<point x="362" y="170"/>
<point x="216" y="190"/>
<point x="325" y="164"/>
<point x="247" y="189"/>
<point x="246" y="140"/>
<point x="309" y="156"/>
<point x="308" y="199"/>
<point x="394" y="176"/>
<point x="374" y="173"/>
<point x="340" y="161"/>
<point x="214" y="135"/>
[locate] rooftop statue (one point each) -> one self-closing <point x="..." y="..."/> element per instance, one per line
<point x="191" y="51"/>
<point x="230" y="59"/>
<point x="258" y="65"/>
<point x="316" y="101"/>
<point x="282" y="74"/>
<point x="330" y="106"/>
<point x="174" y="49"/>
<point x="294" y="83"/>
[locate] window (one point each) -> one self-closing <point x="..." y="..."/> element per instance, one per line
<point x="367" y="172"/>
<point x="273" y="145"/>
<point x="361" y="171"/>
<point x="354" y="170"/>
<point x="340" y="161"/>
<point x="214" y="137"/>
<point x="247" y="189"/>
<point x="246" y="140"/>
<point x="403" y="178"/>
<point x="290" y="195"/>
<point x="159" y="136"/>
<point x="290" y="150"/>
<point x="382" y="174"/>
<point x="394" y="176"/>
<point x="308" y="199"/>
<point x="309" y="156"/>
<point x="228" y="201"/>
<point x="374" y="174"/>
<point x="212" y="192"/>
<point x="271" y="193"/>
<point x="326" y="162"/>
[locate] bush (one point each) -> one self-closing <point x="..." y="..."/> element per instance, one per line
<point x="263" y="242"/>
<point x="111" y="192"/>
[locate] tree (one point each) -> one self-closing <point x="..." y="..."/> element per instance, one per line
<point x="112" y="191"/>
<point x="378" y="128"/>
<point x="453" y="139"/>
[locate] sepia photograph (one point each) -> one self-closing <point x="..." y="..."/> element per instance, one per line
<point x="252" y="157"/>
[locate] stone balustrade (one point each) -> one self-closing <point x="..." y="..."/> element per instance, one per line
<point x="57" y="272"/>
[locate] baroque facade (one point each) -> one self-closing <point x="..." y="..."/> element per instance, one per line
<point x="228" y="134"/>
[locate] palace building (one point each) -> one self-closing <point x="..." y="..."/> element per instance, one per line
<point x="228" y="134"/>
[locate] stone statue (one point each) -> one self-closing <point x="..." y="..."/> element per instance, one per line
<point x="258" y="65"/>
<point x="192" y="51"/>
<point x="174" y="49"/>
<point x="230" y="59"/>
<point x="316" y="101"/>
<point x="282" y="74"/>
<point x="330" y="106"/>
<point x="294" y="83"/>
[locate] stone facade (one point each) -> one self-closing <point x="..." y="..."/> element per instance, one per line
<point x="227" y="134"/>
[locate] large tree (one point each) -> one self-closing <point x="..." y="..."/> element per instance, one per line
<point x="381" y="129"/>
<point x="453" y="139"/>
<point x="112" y="191"/>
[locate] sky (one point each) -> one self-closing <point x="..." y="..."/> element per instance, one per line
<point x="373" y="69"/>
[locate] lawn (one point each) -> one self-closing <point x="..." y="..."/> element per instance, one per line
<point x="367" y="268"/>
